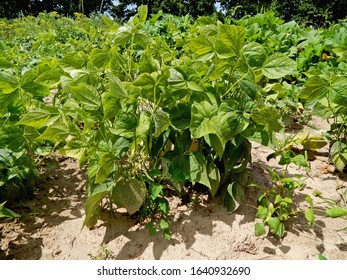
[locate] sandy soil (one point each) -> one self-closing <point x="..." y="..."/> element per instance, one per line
<point x="52" y="229"/>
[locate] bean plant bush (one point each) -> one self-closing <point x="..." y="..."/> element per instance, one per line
<point x="157" y="105"/>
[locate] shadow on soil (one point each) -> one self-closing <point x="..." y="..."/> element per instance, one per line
<point x="59" y="189"/>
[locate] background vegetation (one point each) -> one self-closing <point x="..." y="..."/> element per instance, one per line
<point x="305" y="11"/>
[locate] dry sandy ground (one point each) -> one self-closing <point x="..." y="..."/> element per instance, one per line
<point x="204" y="230"/>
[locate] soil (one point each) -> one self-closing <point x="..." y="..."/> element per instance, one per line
<point x="51" y="226"/>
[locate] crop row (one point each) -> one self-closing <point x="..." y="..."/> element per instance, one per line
<point x="152" y="107"/>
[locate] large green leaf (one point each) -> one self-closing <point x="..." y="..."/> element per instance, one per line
<point x="130" y="194"/>
<point x="105" y="167"/>
<point x="111" y="105"/>
<point x="180" y="116"/>
<point x="143" y="127"/>
<point x="314" y="88"/>
<point x="233" y="36"/>
<point x="50" y="78"/>
<point x="255" y="54"/>
<point x="338" y="90"/>
<point x="259" y="229"/>
<point x="268" y="116"/>
<point x="161" y="122"/>
<point x="146" y="81"/>
<point x="39" y="117"/>
<point x="8" y="82"/>
<point x="5" y="64"/>
<point x="142" y="12"/>
<point x="124" y="34"/>
<point x="201" y="123"/>
<point x="278" y="65"/>
<point x="92" y="204"/>
<point x="36" y="89"/>
<point x="202" y="45"/>
<point x="125" y="125"/>
<point x="55" y="133"/>
<point x="87" y="96"/>
<point x="117" y="89"/>
<point x="198" y="169"/>
<point x="100" y="58"/>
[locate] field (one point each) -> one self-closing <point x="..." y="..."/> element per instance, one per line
<point x="153" y="138"/>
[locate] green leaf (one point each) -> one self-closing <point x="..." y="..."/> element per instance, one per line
<point x="7" y="213"/>
<point x="161" y="122"/>
<point x="105" y="167"/>
<point x="215" y="143"/>
<point x="202" y="45"/>
<point x="213" y="177"/>
<point x="117" y="89"/>
<point x="55" y="133"/>
<point x="163" y="205"/>
<point x="145" y="81"/>
<point x="87" y="96"/>
<point x="314" y="88"/>
<point x="142" y="12"/>
<point x="50" y="78"/>
<point x="163" y="224"/>
<point x="167" y="235"/>
<point x="203" y="173"/>
<point x="156" y="190"/>
<point x="309" y="200"/>
<point x="125" y="125"/>
<point x="278" y="199"/>
<point x="268" y="116"/>
<point x="314" y="143"/>
<point x="197" y="169"/>
<point x="180" y="116"/>
<point x="111" y="105"/>
<point x="36" y="89"/>
<point x="233" y="36"/>
<point x="201" y="123"/>
<point x="74" y="149"/>
<point x="275" y="225"/>
<point x="100" y="58"/>
<point x="338" y="154"/>
<point x="338" y="90"/>
<point x="278" y="65"/>
<point x="309" y="215"/>
<point x="262" y="212"/>
<point x="194" y="86"/>
<point x="8" y="83"/>
<point x="245" y="78"/>
<point x="229" y="121"/>
<point x="341" y="53"/>
<point x="143" y="127"/>
<point x="130" y="194"/>
<point x="336" y="212"/>
<point x="74" y="60"/>
<point x="255" y="54"/>
<point x="5" y="64"/>
<point x="259" y="229"/>
<point x="141" y="37"/>
<point x="123" y="34"/>
<point x="234" y="196"/>
<point x="39" y="118"/>
<point x="92" y="204"/>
